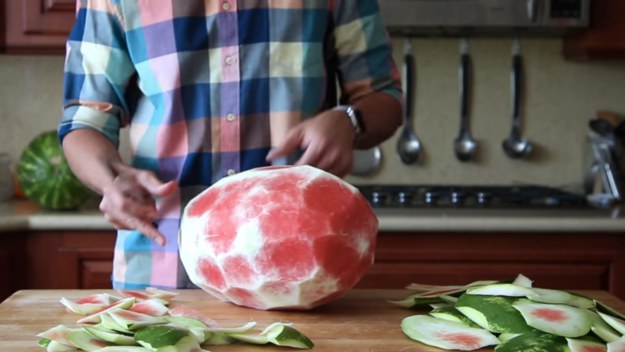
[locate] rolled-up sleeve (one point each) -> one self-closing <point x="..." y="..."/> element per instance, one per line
<point x="97" y="74"/>
<point x="364" y="51"/>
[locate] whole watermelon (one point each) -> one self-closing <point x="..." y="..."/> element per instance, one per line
<point x="45" y="177"/>
<point x="290" y="237"/>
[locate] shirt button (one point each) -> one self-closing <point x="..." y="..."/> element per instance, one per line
<point x="230" y="117"/>
<point x="231" y="172"/>
<point x="229" y="60"/>
<point x="225" y="6"/>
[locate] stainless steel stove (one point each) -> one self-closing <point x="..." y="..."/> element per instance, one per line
<point x="454" y="196"/>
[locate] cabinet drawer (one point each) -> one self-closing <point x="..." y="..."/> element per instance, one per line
<point x="587" y="276"/>
<point x="96" y="274"/>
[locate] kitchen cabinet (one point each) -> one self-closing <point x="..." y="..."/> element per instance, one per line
<point x="37" y="26"/>
<point x="70" y="259"/>
<point x="12" y="264"/>
<point x="55" y="260"/>
<point x="594" y="261"/>
<point x="583" y="260"/>
<point x="605" y="39"/>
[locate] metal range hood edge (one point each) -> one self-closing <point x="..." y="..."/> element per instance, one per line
<point x="485" y="18"/>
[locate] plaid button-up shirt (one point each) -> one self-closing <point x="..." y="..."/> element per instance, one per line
<point x="206" y="88"/>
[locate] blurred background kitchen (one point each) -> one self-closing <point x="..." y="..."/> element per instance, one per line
<point x="559" y="96"/>
<point x="437" y="235"/>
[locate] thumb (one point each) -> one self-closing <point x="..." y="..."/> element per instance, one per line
<point x="165" y="189"/>
<point x="157" y="187"/>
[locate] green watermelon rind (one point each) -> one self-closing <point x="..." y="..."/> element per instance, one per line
<point x="602" y="329"/>
<point x="430" y="331"/>
<point x="159" y="336"/>
<point x="542" y="295"/>
<point x="453" y="314"/>
<point x="493" y="313"/>
<point x="535" y="341"/>
<point x="585" y="344"/>
<point x="284" y="335"/>
<point x="616" y="323"/>
<point x="618" y="345"/>
<point x="45" y="177"/>
<point x="578" y="321"/>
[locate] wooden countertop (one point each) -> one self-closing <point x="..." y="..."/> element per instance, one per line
<point x="361" y="320"/>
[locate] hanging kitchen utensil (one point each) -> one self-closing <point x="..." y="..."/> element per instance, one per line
<point x="515" y="145"/>
<point x="408" y="145"/>
<point x="465" y="146"/>
<point x="366" y="161"/>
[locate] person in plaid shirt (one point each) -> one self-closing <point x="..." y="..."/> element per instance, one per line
<point x="208" y="89"/>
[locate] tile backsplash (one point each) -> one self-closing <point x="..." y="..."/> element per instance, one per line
<point x="558" y="99"/>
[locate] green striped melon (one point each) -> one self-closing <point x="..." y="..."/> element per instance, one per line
<point x="45" y="176"/>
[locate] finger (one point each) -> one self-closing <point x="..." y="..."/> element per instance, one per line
<point x="120" y="205"/>
<point x="146" y="228"/>
<point x="150" y="231"/>
<point x="288" y="146"/>
<point x="312" y="156"/>
<point x="165" y="189"/>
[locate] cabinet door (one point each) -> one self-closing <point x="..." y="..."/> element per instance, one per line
<point x="70" y="259"/>
<point x="606" y="37"/>
<point x="38" y="26"/>
<point x="85" y="268"/>
<point x="593" y="261"/>
<point x="12" y="263"/>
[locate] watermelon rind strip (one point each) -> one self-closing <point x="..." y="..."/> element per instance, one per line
<point x="617" y="346"/>
<point x="433" y="331"/>
<point x="557" y="319"/>
<point x="535" y="341"/>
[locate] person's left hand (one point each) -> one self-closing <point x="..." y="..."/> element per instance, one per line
<point x="326" y="139"/>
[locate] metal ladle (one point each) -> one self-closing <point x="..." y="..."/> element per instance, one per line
<point x="516" y="146"/>
<point x="465" y="145"/>
<point x="408" y="145"/>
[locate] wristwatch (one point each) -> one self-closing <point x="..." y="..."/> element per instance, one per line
<point x="355" y="117"/>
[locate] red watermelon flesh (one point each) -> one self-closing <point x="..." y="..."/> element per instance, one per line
<point x="279" y="237"/>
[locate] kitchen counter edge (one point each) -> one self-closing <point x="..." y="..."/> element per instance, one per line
<point x="21" y="215"/>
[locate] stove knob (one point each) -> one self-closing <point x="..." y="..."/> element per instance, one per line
<point x="483" y="198"/>
<point x="430" y="198"/>
<point x="456" y="198"/>
<point x="379" y="197"/>
<point x="404" y="197"/>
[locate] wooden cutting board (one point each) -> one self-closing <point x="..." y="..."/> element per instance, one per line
<point x="362" y="320"/>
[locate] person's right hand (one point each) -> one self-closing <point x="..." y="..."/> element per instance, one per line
<point x="129" y="201"/>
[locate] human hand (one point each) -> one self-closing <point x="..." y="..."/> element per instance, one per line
<point x="128" y="202"/>
<point x="327" y="140"/>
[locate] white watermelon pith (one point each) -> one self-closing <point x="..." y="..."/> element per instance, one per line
<point x="289" y="237"/>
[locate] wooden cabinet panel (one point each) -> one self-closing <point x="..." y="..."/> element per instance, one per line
<point x="549" y="275"/>
<point x="85" y="267"/>
<point x="605" y="39"/>
<point x="12" y="264"/>
<point x="83" y="259"/>
<point x="553" y="260"/>
<point x="38" y="26"/>
<point x="96" y="274"/>
<point x="71" y="259"/>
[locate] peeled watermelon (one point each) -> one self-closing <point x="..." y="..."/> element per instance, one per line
<point x="278" y="237"/>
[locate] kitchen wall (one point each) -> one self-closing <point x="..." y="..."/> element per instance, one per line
<point x="559" y="98"/>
